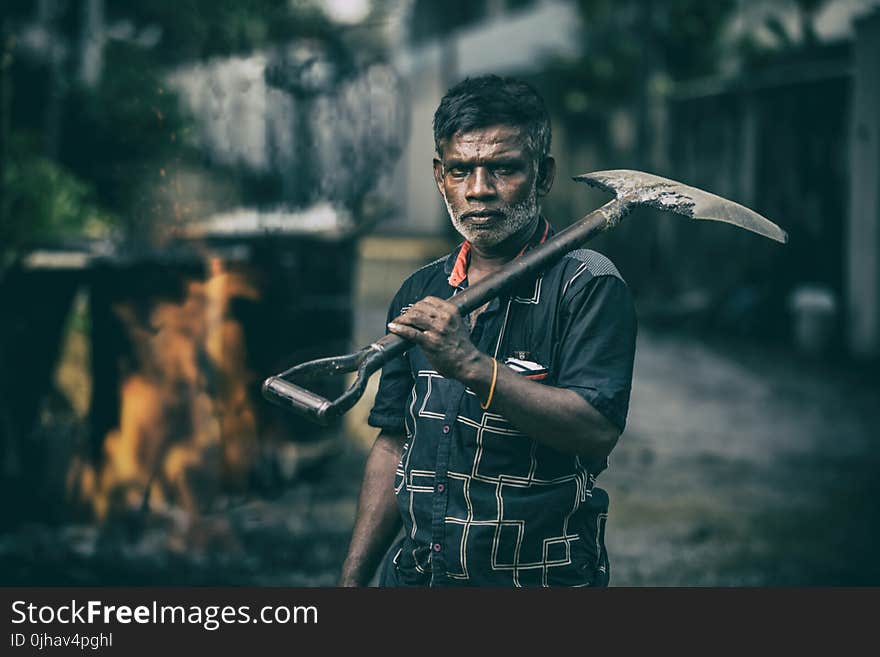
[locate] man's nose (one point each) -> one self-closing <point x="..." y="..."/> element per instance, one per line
<point x="480" y="184"/>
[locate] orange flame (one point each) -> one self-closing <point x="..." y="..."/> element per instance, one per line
<point x="187" y="429"/>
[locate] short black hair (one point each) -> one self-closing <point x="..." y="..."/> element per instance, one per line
<point x="492" y="100"/>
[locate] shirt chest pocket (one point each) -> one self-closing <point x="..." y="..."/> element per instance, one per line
<point x="522" y="362"/>
<point x="526" y="345"/>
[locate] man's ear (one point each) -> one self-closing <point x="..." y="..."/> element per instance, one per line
<point x="546" y="175"/>
<point x="438" y="174"/>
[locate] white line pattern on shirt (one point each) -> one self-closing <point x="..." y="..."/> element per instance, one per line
<point x="493" y="424"/>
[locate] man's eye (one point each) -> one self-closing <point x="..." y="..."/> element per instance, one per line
<point x="502" y="171"/>
<point x="455" y="172"/>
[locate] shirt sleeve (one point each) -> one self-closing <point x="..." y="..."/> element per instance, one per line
<point x="395" y="385"/>
<point x="596" y="346"/>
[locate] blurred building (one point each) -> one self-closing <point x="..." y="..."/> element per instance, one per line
<point x="797" y="140"/>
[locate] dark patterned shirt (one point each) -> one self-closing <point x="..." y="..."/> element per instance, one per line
<point x="482" y="503"/>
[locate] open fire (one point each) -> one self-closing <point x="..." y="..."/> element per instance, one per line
<point x="187" y="429"/>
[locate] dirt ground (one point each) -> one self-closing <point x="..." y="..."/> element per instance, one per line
<point x="739" y="466"/>
<point x="744" y="466"/>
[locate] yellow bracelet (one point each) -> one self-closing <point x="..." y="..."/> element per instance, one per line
<point x="491" y="387"/>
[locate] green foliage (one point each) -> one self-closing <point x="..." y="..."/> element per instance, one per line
<point x="691" y="35"/>
<point x="198" y="29"/>
<point x="790" y="41"/>
<point x="627" y="42"/>
<point x="127" y="129"/>
<point x="44" y="202"/>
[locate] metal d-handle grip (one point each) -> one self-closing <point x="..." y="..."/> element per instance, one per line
<point x="300" y="400"/>
<point x="280" y="390"/>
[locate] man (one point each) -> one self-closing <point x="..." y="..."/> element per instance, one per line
<point x="494" y="426"/>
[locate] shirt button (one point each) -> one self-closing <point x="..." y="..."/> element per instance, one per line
<point x="445" y="428"/>
<point x="437" y="547"/>
<point x="440" y="488"/>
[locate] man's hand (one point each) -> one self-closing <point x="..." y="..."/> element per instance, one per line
<point x="438" y="328"/>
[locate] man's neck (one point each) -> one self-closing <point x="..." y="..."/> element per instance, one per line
<point x="484" y="261"/>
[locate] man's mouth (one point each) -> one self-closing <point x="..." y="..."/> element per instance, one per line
<point x="482" y="216"/>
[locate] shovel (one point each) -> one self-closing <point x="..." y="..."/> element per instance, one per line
<point x="631" y="189"/>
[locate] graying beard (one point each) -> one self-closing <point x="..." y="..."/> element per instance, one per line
<point x="518" y="215"/>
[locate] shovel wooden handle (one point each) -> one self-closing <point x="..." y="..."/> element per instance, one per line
<point x="280" y="390"/>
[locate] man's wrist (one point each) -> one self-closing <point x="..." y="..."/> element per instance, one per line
<point x="477" y="373"/>
<point x="350" y="575"/>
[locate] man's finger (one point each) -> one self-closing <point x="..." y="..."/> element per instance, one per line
<point x="408" y="332"/>
<point x="418" y="318"/>
<point x="440" y="305"/>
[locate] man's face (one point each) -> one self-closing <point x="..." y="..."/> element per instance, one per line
<point x="490" y="183"/>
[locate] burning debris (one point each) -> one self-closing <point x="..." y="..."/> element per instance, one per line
<point x="187" y="429"/>
<point x="180" y="471"/>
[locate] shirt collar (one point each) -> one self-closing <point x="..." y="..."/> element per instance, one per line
<point x="456" y="265"/>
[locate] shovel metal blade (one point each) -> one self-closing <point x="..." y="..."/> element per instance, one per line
<point x="640" y="188"/>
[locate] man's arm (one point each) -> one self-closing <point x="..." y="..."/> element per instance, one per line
<point x="557" y="417"/>
<point x="378" y="519"/>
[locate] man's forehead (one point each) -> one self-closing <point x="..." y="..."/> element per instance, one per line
<point x="496" y="140"/>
